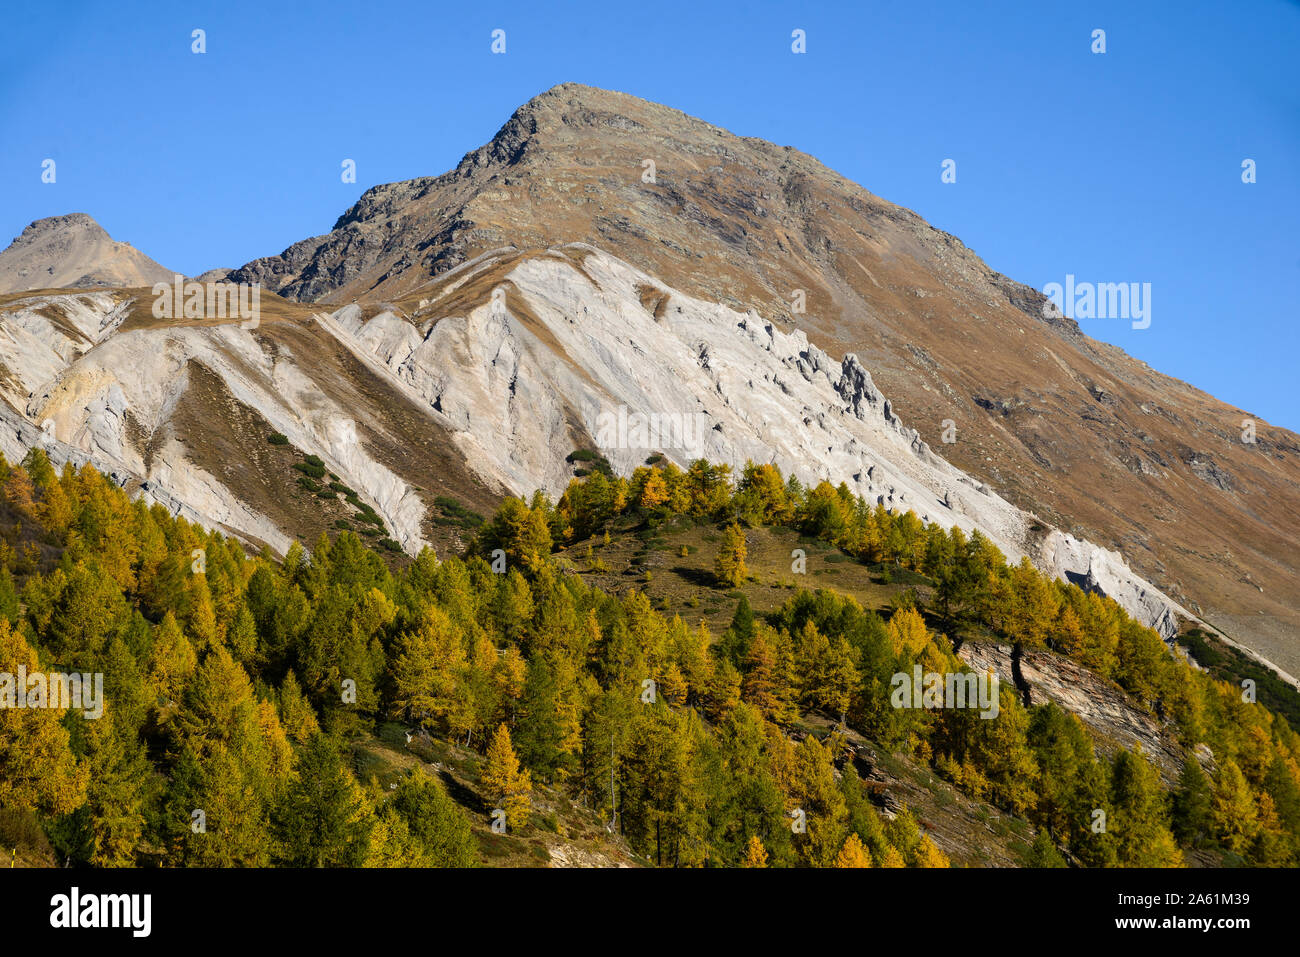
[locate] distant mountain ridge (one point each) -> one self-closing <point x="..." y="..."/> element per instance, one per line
<point x="73" y="251"/>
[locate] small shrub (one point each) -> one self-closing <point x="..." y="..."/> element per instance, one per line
<point x="278" y="438"/>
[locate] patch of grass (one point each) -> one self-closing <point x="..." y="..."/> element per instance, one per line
<point x="596" y="461"/>
<point x="454" y="513"/>
<point x="392" y="734"/>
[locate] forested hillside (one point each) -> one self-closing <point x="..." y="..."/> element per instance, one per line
<point x="248" y="697"/>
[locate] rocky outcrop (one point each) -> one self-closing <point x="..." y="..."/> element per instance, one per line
<point x="856" y="388"/>
<point x="1096" y="569"/>
<point x="1114" y="719"/>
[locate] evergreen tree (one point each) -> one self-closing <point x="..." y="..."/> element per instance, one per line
<point x="504" y="783"/>
<point x="755" y="855"/>
<point x="734" y="645"/>
<point x="435" y="822"/>
<point x="325" y="819"/>
<point x="1233" y="810"/>
<point x="1138" y="819"/>
<point x="539" y="736"/>
<point x="1191" y="805"/>
<point x="729" y="567"/>
<point x="853" y="853"/>
<point x="1043" y="853"/>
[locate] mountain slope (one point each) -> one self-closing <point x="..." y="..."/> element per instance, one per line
<point x="1062" y="425"/>
<point x="669" y="298"/>
<point x="74" y="251"/>
<point x="483" y="385"/>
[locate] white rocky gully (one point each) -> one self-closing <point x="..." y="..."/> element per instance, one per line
<point x="653" y="431"/>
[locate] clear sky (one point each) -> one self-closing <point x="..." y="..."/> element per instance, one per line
<point x="1115" y="167"/>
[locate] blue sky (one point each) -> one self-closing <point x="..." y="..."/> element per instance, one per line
<point x="1115" y="167"/>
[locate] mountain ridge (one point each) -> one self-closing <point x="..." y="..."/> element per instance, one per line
<point x="1064" y="427"/>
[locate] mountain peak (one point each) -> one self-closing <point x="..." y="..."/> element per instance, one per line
<point x="70" y="251"/>
<point x="70" y="222"/>
<point x="770" y="231"/>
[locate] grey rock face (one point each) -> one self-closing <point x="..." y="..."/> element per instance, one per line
<point x="856" y="388"/>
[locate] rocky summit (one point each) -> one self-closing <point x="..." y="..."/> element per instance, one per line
<point x="73" y="251"/>
<point x="603" y="256"/>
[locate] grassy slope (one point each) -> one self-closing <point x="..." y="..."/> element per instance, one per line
<point x="971" y="833"/>
<point x="561" y="833"/>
